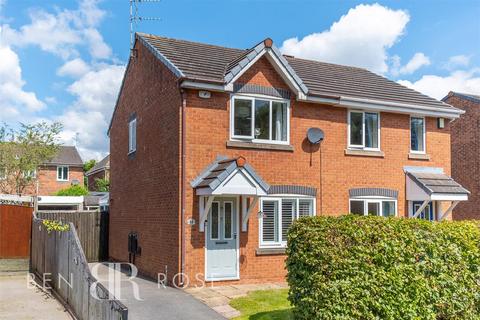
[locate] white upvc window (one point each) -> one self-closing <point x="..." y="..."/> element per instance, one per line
<point x="417" y="135"/>
<point x="132" y="135"/>
<point x="260" y="119"/>
<point x="363" y="130"/>
<point x="30" y="174"/>
<point x="62" y="173"/>
<point x="278" y="214"/>
<point x="373" y="206"/>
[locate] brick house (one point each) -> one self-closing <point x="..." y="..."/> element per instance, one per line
<point x="101" y="170"/>
<point x="215" y="151"/>
<point x="61" y="172"/>
<point x="465" y="134"/>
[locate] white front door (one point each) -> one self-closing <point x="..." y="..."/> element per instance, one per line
<point x="221" y="240"/>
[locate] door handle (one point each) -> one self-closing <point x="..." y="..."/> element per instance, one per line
<point x="235" y="235"/>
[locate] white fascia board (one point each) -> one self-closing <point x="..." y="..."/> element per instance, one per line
<point x="283" y="72"/>
<point x="449" y="197"/>
<point x="187" y="84"/>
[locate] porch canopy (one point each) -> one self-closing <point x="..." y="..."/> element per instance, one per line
<point x="229" y="176"/>
<point x="432" y="184"/>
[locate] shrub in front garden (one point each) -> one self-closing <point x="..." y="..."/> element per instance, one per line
<point x="353" y="267"/>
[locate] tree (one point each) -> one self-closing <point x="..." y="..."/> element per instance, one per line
<point x="22" y="151"/>
<point x="73" y="191"/>
<point x="102" y="185"/>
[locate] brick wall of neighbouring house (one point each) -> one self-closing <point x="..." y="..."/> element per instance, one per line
<point x="144" y="186"/>
<point x="466" y="155"/>
<point x="91" y="183"/>
<point x="208" y="131"/>
<point x="48" y="183"/>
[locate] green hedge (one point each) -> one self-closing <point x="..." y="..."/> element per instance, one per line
<point x="354" y="267"/>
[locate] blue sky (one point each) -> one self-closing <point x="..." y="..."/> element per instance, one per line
<point x="64" y="60"/>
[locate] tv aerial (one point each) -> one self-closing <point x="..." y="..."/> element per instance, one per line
<point x="135" y="18"/>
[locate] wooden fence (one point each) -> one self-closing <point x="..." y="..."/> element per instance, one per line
<point x="15" y="226"/>
<point x="87" y="225"/>
<point x="59" y="255"/>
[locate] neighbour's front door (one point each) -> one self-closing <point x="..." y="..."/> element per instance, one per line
<point x="221" y="240"/>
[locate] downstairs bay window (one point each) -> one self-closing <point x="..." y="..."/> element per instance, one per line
<point x="278" y="214"/>
<point x="260" y="120"/>
<point x="374" y="207"/>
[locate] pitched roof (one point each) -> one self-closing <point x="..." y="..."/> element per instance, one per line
<point x="437" y="183"/>
<point x="215" y="64"/>
<point x="67" y="155"/>
<point x="466" y="96"/>
<point x="102" y="164"/>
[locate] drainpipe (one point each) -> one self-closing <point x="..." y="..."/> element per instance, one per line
<point x="183" y="187"/>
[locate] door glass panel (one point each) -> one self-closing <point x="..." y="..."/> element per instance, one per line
<point x="214" y="225"/>
<point x="356" y="207"/>
<point x="356" y="124"/>
<point x="371" y="130"/>
<point x="373" y="208"/>
<point x="388" y="208"/>
<point x="279" y="121"/>
<point x="242" y="117"/>
<point x="426" y="214"/>
<point x="227" y="231"/>
<point x="270" y="221"/>
<point x="262" y="119"/>
<point x="288" y="213"/>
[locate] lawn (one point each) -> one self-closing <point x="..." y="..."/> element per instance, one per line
<point x="264" y="305"/>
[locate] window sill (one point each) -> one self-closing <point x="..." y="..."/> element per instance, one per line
<point x="418" y="156"/>
<point x="270" y="251"/>
<point x="364" y="153"/>
<point x="264" y="146"/>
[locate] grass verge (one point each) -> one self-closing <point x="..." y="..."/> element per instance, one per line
<point x="264" y="305"/>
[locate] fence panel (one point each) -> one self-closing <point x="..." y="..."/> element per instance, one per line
<point x="87" y="224"/>
<point x="15" y="225"/>
<point x="62" y="253"/>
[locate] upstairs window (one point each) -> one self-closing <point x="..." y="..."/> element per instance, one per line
<point x="62" y="173"/>
<point x="132" y="135"/>
<point x="417" y="135"/>
<point x="364" y="130"/>
<point x="260" y="120"/>
<point x="278" y="215"/>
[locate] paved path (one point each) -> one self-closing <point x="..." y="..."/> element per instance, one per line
<point x="18" y="302"/>
<point x="158" y="303"/>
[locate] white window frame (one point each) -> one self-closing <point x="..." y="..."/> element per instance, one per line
<point x="435" y="208"/>
<point x="280" y="243"/>
<point x="251" y="138"/>
<point x="424" y="135"/>
<point x="31" y="174"/>
<point x="132" y="131"/>
<point x="362" y="146"/>
<point x="68" y="173"/>
<point x="373" y="199"/>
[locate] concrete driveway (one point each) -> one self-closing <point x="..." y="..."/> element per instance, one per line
<point x="157" y="303"/>
<point x="18" y="301"/>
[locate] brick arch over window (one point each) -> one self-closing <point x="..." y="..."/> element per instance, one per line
<point x="373" y="192"/>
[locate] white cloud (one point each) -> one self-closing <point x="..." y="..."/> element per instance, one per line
<point x="457" y="61"/>
<point x="74" y="68"/>
<point x="14" y="100"/>
<point x="97" y="47"/>
<point x="418" y="60"/>
<point x="359" y="38"/>
<point x="438" y="86"/>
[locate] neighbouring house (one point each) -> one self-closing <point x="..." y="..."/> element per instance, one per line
<point x="216" y="151"/>
<point x="101" y="170"/>
<point x="465" y="134"/>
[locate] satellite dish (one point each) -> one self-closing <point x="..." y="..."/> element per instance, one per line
<point x="315" y="135"/>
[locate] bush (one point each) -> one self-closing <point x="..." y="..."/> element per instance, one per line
<point x="72" y="191"/>
<point x="354" y="267"/>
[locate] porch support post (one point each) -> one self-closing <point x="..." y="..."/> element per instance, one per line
<point x="246" y="212"/>
<point x="417" y="213"/>
<point x="204" y="209"/>
<point x="449" y="210"/>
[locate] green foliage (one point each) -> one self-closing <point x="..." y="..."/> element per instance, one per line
<point x="89" y="165"/>
<point x="54" y="225"/>
<point x="264" y="305"/>
<point x="22" y="151"/>
<point x="73" y="191"/>
<point x="354" y="267"/>
<point x="102" y="185"/>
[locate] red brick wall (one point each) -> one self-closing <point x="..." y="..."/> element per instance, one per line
<point x="207" y="134"/>
<point x="466" y="156"/>
<point x="47" y="180"/>
<point x="145" y="186"/>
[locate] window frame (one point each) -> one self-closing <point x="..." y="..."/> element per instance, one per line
<point x="424" y="134"/>
<point x="362" y="146"/>
<point x="132" y="128"/>
<point x="251" y="138"/>
<point x="68" y="173"/>
<point x="373" y="199"/>
<point x="280" y="243"/>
